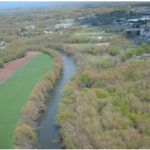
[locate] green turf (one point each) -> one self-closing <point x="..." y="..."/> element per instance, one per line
<point x="14" y="94"/>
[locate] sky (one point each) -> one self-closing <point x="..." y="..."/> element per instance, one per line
<point x="9" y="5"/>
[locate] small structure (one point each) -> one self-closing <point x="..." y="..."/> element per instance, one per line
<point x="100" y="37"/>
<point x="86" y="26"/>
<point x="138" y="21"/>
<point x="80" y="18"/>
<point x="48" y="32"/>
<point x="136" y="58"/>
<point x="66" y="20"/>
<point x="144" y="20"/>
<point x="146" y="55"/>
<point x="133" y="20"/>
<point x="30" y="27"/>
<point x="2" y="43"/>
<point x="118" y="20"/>
<point x="63" y="25"/>
<point x="132" y="32"/>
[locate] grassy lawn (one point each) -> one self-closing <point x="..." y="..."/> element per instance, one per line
<point x="14" y="94"/>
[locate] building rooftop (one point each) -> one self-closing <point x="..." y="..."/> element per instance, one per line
<point x="133" y="20"/>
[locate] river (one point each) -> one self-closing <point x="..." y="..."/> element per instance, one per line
<point x="49" y="131"/>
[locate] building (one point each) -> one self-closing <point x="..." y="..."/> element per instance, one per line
<point x="132" y="32"/>
<point x="63" y="25"/>
<point x="138" y="21"/>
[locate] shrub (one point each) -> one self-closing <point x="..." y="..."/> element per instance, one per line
<point x="114" y="52"/>
<point x="25" y="136"/>
<point x="105" y="64"/>
<point x="144" y="47"/>
<point x="1" y="63"/>
<point x="65" y="113"/>
<point x="22" y="53"/>
<point x="130" y="53"/>
<point x="84" y="81"/>
<point x="147" y="97"/>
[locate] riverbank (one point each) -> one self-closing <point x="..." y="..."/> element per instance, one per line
<point x="49" y="136"/>
<point x="26" y="129"/>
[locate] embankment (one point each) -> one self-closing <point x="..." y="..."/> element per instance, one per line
<point x="26" y="129"/>
<point x="49" y="133"/>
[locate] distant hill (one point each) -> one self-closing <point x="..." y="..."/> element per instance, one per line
<point x="45" y="6"/>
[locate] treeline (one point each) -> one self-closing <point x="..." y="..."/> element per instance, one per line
<point x="12" y="51"/>
<point x="26" y="129"/>
<point x="68" y="38"/>
<point x="108" y="109"/>
<point x="78" y="57"/>
<point x="106" y="106"/>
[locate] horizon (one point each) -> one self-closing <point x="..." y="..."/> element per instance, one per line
<point x="12" y="5"/>
<point x="29" y="4"/>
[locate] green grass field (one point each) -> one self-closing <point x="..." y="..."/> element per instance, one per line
<point x="14" y="94"/>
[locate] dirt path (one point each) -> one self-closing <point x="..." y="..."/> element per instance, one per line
<point x="11" y="67"/>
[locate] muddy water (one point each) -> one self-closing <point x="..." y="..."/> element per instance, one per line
<point x="49" y="136"/>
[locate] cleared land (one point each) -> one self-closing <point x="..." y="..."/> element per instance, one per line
<point x="14" y="94"/>
<point x="11" y="67"/>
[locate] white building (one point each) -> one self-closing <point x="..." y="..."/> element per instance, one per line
<point x="63" y="25"/>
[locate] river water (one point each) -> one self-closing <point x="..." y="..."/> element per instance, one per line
<point x="49" y="131"/>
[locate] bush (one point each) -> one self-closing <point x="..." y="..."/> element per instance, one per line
<point x="1" y="63"/>
<point x="114" y="52"/>
<point x="105" y="64"/>
<point x="66" y="113"/>
<point x="130" y="53"/>
<point x="144" y="47"/>
<point x="22" y="53"/>
<point x="85" y="81"/>
<point x="80" y="39"/>
<point x="25" y="136"/>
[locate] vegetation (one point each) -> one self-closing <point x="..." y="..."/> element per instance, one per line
<point x="118" y="110"/>
<point x="1" y="63"/>
<point x="15" y="50"/>
<point x="105" y="105"/>
<point x="11" y="104"/>
<point x="25" y="135"/>
<point x="143" y="48"/>
<point x="115" y="86"/>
